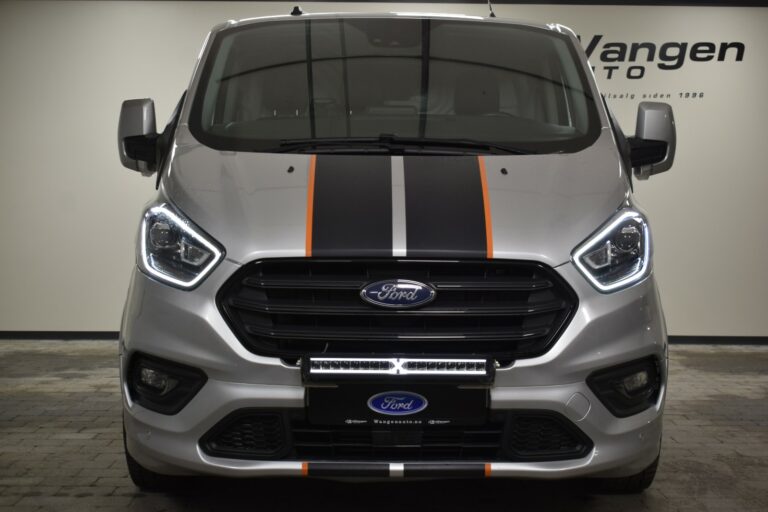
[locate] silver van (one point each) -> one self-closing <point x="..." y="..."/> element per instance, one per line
<point x="396" y="245"/>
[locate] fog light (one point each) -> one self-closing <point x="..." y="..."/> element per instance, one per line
<point x="635" y="382"/>
<point x="161" y="385"/>
<point x="628" y="388"/>
<point x="159" y="381"/>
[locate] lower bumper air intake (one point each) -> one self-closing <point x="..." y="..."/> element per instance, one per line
<point x="507" y="436"/>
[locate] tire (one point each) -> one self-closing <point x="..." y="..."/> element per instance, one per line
<point x="148" y="480"/>
<point x="634" y="484"/>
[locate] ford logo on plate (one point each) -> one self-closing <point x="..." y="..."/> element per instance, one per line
<point x="397" y="403"/>
<point x="398" y="293"/>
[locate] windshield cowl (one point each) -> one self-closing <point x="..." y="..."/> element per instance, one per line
<point x="393" y="144"/>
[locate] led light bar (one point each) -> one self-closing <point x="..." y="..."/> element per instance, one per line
<point x="396" y="366"/>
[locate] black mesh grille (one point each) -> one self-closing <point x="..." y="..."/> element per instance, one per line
<point x="543" y="436"/>
<point x="361" y="443"/>
<point x="249" y="435"/>
<point x="291" y="307"/>
<point x="517" y="436"/>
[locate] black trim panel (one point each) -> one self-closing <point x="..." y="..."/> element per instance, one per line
<point x="718" y="340"/>
<point x="444" y="209"/>
<point x="352" y="206"/>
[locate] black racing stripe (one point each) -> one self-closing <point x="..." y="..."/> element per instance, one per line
<point x="352" y="213"/>
<point x="347" y="469"/>
<point x="444" y="470"/>
<point x="444" y="208"/>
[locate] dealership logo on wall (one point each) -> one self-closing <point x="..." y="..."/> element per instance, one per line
<point x="630" y="60"/>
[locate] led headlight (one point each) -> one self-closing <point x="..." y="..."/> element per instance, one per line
<point x="174" y="250"/>
<point x="618" y="255"/>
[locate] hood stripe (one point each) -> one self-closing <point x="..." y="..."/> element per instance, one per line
<point x="398" y="208"/>
<point x="486" y="208"/>
<point x="416" y="206"/>
<point x="446" y="207"/>
<point x="351" y="207"/>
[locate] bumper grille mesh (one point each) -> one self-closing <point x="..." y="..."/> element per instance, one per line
<point x="543" y="436"/>
<point x="254" y="434"/>
<point x="460" y="444"/>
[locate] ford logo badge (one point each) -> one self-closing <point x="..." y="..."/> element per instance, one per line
<point x="397" y="403"/>
<point x="398" y="293"/>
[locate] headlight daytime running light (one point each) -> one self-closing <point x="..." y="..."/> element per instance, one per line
<point x="618" y="255"/>
<point x="175" y="251"/>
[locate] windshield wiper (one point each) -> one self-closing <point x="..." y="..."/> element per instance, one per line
<point x="395" y="143"/>
<point x="469" y="144"/>
<point x="329" y="144"/>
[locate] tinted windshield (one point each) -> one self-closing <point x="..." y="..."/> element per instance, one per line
<point x="266" y="84"/>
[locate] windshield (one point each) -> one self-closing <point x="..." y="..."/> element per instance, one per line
<point x="393" y="82"/>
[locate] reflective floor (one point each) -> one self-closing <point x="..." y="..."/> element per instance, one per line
<point x="60" y="447"/>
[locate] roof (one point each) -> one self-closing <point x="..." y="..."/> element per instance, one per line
<point x="420" y="15"/>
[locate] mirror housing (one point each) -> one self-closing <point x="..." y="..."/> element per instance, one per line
<point x="137" y="136"/>
<point x="652" y="149"/>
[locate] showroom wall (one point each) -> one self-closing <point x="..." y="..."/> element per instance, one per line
<point x="69" y="211"/>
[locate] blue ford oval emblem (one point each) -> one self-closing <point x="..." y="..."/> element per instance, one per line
<point x="398" y="293"/>
<point x="397" y="403"/>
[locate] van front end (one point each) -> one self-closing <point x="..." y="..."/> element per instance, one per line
<point x="559" y="414"/>
<point x="380" y="251"/>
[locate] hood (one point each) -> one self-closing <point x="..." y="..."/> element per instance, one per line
<point x="528" y="207"/>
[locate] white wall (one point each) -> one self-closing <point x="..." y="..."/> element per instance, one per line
<point x="68" y="211"/>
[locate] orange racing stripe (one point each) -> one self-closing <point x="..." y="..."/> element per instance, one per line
<point x="486" y="208"/>
<point x="310" y="209"/>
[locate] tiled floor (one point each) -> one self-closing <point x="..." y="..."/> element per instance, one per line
<point x="60" y="447"/>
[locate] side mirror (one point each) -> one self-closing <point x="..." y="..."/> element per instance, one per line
<point x="137" y="136"/>
<point x="652" y="149"/>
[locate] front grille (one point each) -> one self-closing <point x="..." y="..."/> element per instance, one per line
<point x="292" y="307"/>
<point x="507" y="436"/>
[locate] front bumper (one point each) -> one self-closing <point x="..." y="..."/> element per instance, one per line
<point x="186" y="327"/>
